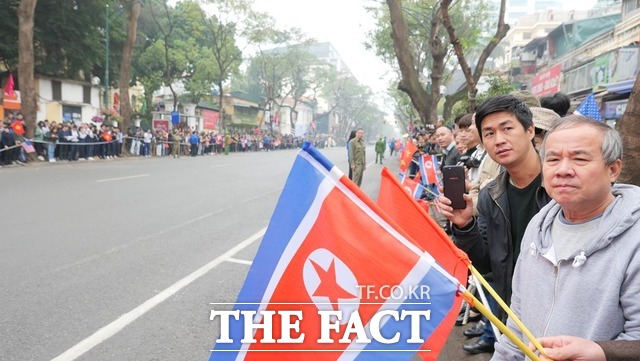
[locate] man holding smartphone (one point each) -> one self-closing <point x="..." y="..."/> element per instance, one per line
<point x="507" y="204"/>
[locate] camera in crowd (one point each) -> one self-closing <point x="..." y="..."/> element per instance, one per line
<point x="469" y="161"/>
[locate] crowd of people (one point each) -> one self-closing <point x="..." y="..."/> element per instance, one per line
<point x="68" y="141"/>
<point x="546" y="223"/>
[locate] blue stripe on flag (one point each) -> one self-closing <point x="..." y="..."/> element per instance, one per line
<point x="307" y="147"/>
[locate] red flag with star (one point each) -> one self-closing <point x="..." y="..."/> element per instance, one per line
<point x="18" y="128"/>
<point x="407" y="155"/>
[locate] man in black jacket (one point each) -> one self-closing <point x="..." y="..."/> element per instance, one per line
<point x="507" y="204"/>
<point x="8" y="142"/>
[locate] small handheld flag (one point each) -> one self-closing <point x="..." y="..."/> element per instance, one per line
<point x="590" y="108"/>
<point x="28" y="146"/>
<point x="429" y="168"/>
<point x="18" y="128"/>
<point x="407" y="155"/>
<point x="411" y="186"/>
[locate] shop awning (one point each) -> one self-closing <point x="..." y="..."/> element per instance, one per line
<point x="621" y="87"/>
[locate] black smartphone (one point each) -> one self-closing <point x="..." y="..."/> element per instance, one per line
<point x="454" y="187"/>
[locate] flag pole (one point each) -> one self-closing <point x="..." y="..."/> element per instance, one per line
<point x="473" y="301"/>
<point x="506" y="308"/>
<point x="478" y="285"/>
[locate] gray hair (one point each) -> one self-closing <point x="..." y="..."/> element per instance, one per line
<point x="611" y="141"/>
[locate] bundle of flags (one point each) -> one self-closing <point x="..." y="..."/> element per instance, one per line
<point x="330" y="248"/>
<point x="315" y="289"/>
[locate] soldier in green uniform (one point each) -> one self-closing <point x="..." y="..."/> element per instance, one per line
<point x="357" y="156"/>
<point x="175" y="147"/>
<point x="380" y="146"/>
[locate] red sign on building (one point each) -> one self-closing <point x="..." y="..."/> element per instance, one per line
<point x="161" y="125"/>
<point x="210" y="119"/>
<point x="547" y="82"/>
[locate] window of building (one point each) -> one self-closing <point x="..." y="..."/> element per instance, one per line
<point x="86" y="94"/>
<point x="56" y="90"/>
<point x="526" y="36"/>
<point x="630" y="6"/>
<point x="71" y="114"/>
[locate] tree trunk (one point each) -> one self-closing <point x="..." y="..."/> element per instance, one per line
<point x="410" y="82"/>
<point x="438" y="54"/>
<point x="472" y="79"/>
<point x="26" y="12"/>
<point x="125" y="66"/>
<point x="221" y="126"/>
<point x="451" y="100"/>
<point x="630" y="133"/>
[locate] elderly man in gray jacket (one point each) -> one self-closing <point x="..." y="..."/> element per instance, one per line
<point x="579" y="270"/>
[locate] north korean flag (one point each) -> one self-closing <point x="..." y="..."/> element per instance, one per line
<point x="330" y="247"/>
<point x="429" y="168"/>
<point x="414" y="188"/>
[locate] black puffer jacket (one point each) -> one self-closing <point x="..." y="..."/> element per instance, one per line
<point x="488" y="241"/>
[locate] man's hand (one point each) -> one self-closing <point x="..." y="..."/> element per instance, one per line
<point x="459" y="217"/>
<point x="569" y="348"/>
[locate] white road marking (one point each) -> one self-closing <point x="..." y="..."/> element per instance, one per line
<point x="122" y="178"/>
<point x="123" y="321"/>
<point x="240" y="261"/>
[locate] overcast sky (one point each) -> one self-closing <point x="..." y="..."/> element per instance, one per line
<point x="345" y="23"/>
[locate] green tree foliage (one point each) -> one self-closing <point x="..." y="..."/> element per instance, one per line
<point x="232" y="19"/>
<point x="497" y="86"/>
<point x="283" y="72"/>
<point x="354" y="105"/>
<point x="68" y="37"/>
<point x="422" y="18"/>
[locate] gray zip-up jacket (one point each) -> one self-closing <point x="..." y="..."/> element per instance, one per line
<point x="594" y="293"/>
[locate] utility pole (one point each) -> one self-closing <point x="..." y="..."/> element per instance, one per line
<point x="106" y="66"/>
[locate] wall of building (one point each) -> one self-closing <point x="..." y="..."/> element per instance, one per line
<point x="71" y="106"/>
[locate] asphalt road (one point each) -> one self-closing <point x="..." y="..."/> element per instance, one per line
<point x="120" y="259"/>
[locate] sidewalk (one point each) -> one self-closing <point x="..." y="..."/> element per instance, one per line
<point x="452" y="350"/>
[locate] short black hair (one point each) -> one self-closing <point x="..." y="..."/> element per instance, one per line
<point x="465" y="121"/>
<point x="504" y="103"/>
<point x="558" y="102"/>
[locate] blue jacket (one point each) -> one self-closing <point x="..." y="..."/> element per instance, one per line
<point x="193" y="139"/>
